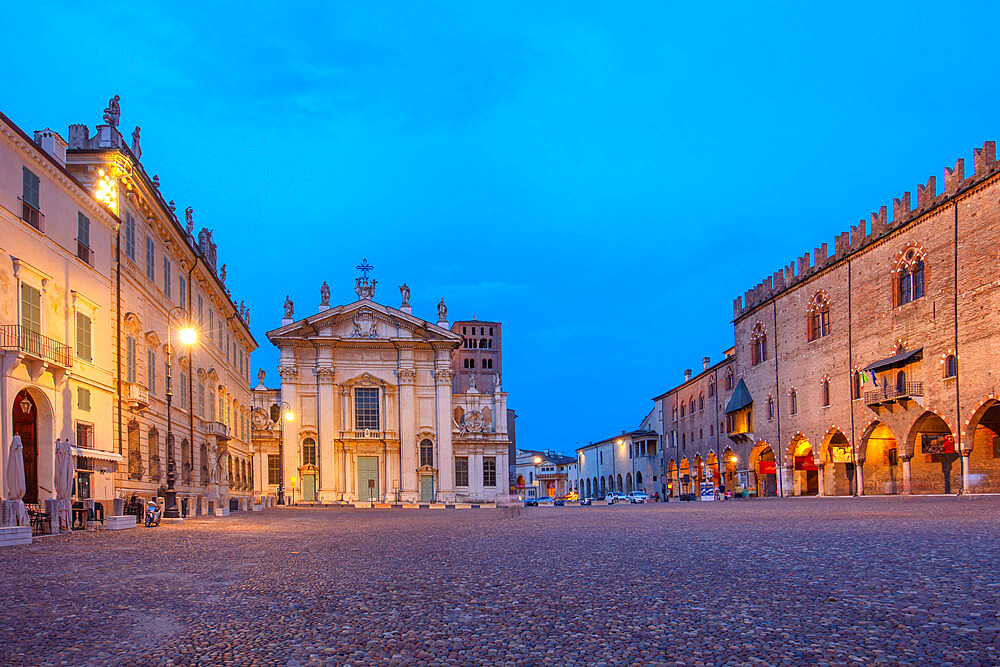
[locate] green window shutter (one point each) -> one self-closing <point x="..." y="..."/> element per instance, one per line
<point x="151" y="371"/>
<point x="30" y="191"/>
<point x="84" y="337"/>
<point x="31" y="308"/>
<point x="83" y="229"/>
<point x="130" y="359"/>
<point x="129" y="236"/>
<point x="83" y="399"/>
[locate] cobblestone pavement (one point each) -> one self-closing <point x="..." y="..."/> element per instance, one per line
<point x="835" y="581"/>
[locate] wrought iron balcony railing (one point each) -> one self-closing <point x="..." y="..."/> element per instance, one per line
<point x="84" y="252"/>
<point x="32" y="343"/>
<point x="32" y="215"/>
<point x="891" y="394"/>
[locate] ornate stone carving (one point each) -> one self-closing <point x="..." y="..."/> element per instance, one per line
<point x="406" y="375"/>
<point x="259" y="419"/>
<point x="325" y="374"/>
<point x="222" y="274"/>
<point x="364" y="289"/>
<point x="288" y="372"/>
<point x="444" y="376"/>
<point x="260" y="376"/>
<point x="289" y="308"/>
<point x="472" y="382"/>
<point x="365" y="325"/>
<point x="474" y="422"/>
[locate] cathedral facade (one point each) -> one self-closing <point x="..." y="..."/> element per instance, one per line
<point x="368" y="412"/>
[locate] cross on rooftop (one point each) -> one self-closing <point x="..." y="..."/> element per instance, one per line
<point x="364" y="267"/>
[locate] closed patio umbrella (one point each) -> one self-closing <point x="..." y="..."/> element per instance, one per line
<point x="15" y="481"/>
<point x="64" y="484"/>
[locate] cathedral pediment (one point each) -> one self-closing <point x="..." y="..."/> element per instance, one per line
<point x="363" y="320"/>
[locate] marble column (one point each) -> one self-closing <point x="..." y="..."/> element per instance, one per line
<point x="966" y="473"/>
<point x="446" y="458"/>
<point x="821" y="475"/>
<point x="859" y="474"/>
<point x="907" y="489"/>
<point x="407" y="434"/>
<point x="476" y="474"/>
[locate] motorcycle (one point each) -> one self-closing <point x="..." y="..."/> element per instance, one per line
<point x="153" y="513"/>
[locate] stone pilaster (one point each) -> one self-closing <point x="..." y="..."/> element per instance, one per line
<point x="446" y="457"/>
<point x="905" y="461"/>
<point x="407" y="434"/>
<point x="326" y="409"/>
<point x="289" y="442"/>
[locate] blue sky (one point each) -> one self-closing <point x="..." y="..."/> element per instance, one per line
<point x="603" y="178"/>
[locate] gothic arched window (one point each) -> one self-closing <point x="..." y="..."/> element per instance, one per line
<point x="818" y="324"/>
<point x="825" y="386"/>
<point x="308" y="452"/>
<point x="730" y="380"/>
<point x="909" y="285"/>
<point x="758" y="344"/>
<point x="950" y="366"/>
<point x="793" y="402"/>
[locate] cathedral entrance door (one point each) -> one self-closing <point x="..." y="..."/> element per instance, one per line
<point x="426" y="488"/>
<point x="367" y="478"/>
<point x="309" y="488"/>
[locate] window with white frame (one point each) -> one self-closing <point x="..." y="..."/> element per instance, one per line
<point x="366" y="408"/>
<point x="489" y="471"/>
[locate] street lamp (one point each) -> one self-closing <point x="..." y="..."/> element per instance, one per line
<point x="188" y="336"/>
<point x="286" y="415"/>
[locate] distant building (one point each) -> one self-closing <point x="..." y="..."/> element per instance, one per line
<point x="631" y="461"/>
<point x="544" y="473"/>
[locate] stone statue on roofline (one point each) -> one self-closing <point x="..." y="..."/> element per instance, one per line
<point x="222" y="274"/>
<point x="113" y="112"/>
<point x="404" y="291"/>
<point x="188" y="219"/>
<point x="442" y="311"/>
<point x="324" y="294"/>
<point x="289" y="308"/>
<point x="136" y="148"/>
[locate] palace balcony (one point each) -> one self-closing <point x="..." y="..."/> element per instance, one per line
<point x="893" y="394"/>
<point x="221" y="431"/>
<point x="32" y="215"/>
<point x="137" y="395"/>
<point x="33" y="344"/>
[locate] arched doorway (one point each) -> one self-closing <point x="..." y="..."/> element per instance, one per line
<point x="712" y="463"/>
<point x="880" y="463"/>
<point x="673" y="488"/>
<point x="25" y="419"/>
<point x="805" y="472"/>
<point x="936" y="465"/>
<point x="604" y="489"/>
<point x="984" y="460"/>
<point x="550" y="488"/>
<point x="638" y="481"/>
<point x="730" y="477"/>
<point x="685" y="476"/>
<point x="519" y="485"/>
<point x="620" y="485"/>
<point x="699" y="473"/>
<point x="838" y="465"/>
<point x="628" y="482"/>
<point x="764" y="467"/>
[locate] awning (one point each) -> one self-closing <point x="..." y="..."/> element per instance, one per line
<point x="897" y="360"/>
<point x="741" y="398"/>
<point x="97" y="454"/>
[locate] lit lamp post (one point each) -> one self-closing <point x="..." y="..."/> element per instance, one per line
<point x="286" y="415"/>
<point x="732" y="480"/>
<point x="188" y="336"/>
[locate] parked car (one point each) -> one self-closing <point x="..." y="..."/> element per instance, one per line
<point x="538" y="501"/>
<point x="559" y="502"/>
<point x="587" y="501"/>
<point x="637" y="497"/>
<point x="615" y="497"/>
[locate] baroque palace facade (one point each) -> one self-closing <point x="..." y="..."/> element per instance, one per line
<point x="868" y="370"/>
<point x="98" y="277"/>
<point x="373" y="408"/>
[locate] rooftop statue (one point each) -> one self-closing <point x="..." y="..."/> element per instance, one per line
<point x="136" y="148"/>
<point x="324" y="294"/>
<point x="404" y="291"/>
<point x="113" y="113"/>
<point x="289" y="308"/>
<point x="442" y="311"/>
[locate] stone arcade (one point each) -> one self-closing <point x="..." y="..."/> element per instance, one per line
<point x="370" y="413"/>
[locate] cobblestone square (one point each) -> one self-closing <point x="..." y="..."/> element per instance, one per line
<point x="827" y="581"/>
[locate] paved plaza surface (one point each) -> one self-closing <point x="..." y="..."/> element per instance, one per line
<point x="827" y="581"/>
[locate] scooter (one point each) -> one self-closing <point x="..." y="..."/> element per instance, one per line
<point x="153" y="513"/>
